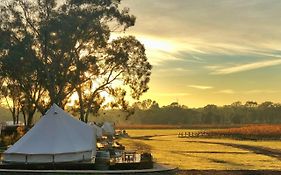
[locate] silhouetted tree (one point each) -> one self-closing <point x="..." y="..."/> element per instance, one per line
<point x="66" y="50"/>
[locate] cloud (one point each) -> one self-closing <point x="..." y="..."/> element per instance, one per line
<point x="172" y="94"/>
<point x="209" y="26"/>
<point x="246" y="67"/>
<point x="260" y="91"/>
<point x="164" y="49"/>
<point x="226" y="91"/>
<point x="179" y="69"/>
<point x="200" y="87"/>
<point x="213" y="67"/>
<point x="269" y="54"/>
<point x="168" y="72"/>
<point x="230" y="36"/>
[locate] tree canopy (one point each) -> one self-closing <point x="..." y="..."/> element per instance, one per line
<point x="52" y="50"/>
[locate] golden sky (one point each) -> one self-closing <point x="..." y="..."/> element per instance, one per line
<point x="210" y="52"/>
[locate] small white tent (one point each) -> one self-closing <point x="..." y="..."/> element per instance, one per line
<point x="98" y="130"/>
<point x="108" y="129"/>
<point x="56" y="137"/>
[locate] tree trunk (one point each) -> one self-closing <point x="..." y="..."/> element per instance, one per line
<point x="29" y="120"/>
<point x="14" y="115"/>
<point x="17" y="115"/>
<point x="24" y="118"/>
<point x="86" y="118"/>
<point x="81" y="105"/>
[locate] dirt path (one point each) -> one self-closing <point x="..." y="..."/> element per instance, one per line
<point x="256" y="149"/>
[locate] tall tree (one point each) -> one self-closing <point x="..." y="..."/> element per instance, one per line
<point x="67" y="50"/>
<point x="11" y="93"/>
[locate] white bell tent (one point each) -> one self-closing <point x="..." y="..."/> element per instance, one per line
<point x="108" y="129"/>
<point x="98" y="130"/>
<point x="57" y="137"/>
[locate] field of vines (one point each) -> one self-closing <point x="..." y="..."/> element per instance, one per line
<point x="257" y="132"/>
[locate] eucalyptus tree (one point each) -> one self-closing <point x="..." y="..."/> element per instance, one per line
<point x="57" y="49"/>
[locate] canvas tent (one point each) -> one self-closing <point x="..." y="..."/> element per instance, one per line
<point x="56" y="137"/>
<point x="108" y="129"/>
<point x="97" y="129"/>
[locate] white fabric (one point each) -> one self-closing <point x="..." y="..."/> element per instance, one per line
<point x="108" y="129"/>
<point x="56" y="135"/>
<point x="98" y="130"/>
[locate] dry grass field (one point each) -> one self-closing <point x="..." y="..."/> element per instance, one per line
<point x="205" y="153"/>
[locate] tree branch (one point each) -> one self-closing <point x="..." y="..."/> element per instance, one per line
<point x="22" y="5"/>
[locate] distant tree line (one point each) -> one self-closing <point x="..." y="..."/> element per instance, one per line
<point x="149" y="112"/>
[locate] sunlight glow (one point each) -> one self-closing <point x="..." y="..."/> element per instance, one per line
<point x="157" y="44"/>
<point x="150" y="42"/>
